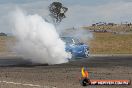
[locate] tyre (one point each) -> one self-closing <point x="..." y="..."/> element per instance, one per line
<point x="86" y="51"/>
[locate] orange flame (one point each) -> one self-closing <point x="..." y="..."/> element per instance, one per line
<point x="84" y="73"/>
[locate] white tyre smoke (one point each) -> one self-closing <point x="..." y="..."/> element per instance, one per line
<point x="37" y="39"/>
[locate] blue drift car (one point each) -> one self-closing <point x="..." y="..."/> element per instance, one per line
<point x="76" y="48"/>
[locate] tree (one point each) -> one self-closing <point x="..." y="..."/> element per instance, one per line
<point x="57" y="11"/>
<point x="3" y="34"/>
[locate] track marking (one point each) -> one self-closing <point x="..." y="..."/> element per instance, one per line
<point x="15" y="83"/>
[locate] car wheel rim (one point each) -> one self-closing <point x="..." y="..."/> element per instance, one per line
<point x="86" y="52"/>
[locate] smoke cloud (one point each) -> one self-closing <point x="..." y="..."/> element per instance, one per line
<point x="82" y="34"/>
<point x="37" y="40"/>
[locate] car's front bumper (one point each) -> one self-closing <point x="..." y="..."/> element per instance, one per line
<point x="78" y="54"/>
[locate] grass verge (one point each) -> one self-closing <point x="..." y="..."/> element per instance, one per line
<point x="108" y="43"/>
<point x="102" y="43"/>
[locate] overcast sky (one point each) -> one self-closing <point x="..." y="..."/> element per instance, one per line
<point x="80" y="13"/>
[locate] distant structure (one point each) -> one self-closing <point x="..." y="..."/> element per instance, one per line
<point x="103" y="24"/>
<point x="57" y="11"/>
<point x="3" y="34"/>
<point x="112" y="24"/>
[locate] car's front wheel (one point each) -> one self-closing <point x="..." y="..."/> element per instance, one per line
<point x="86" y="52"/>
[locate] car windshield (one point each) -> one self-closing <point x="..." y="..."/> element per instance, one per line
<point x="70" y="40"/>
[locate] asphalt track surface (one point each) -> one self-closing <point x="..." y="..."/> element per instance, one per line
<point x="18" y="73"/>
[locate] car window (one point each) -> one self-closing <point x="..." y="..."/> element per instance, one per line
<point x="76" y="41"/>
<point x="70" y="40"/>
